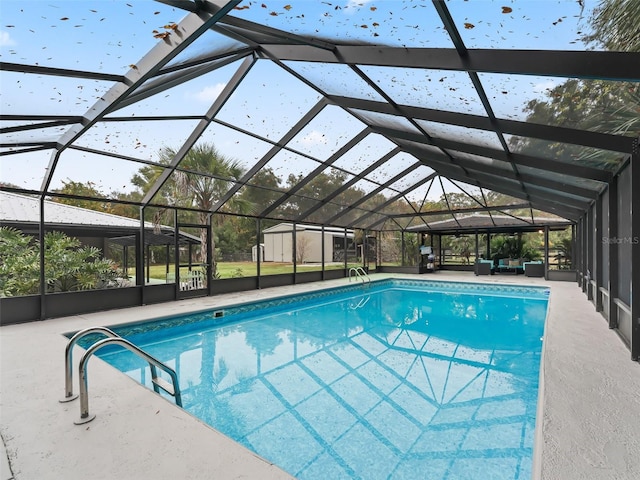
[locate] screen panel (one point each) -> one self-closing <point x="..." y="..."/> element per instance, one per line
<point x="436" y="89"/>
<point x="268" y="102"/>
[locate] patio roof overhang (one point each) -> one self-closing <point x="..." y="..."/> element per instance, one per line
<point x="494" y="224"/>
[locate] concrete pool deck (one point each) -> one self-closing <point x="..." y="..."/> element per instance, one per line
<point x="589" y="427"/>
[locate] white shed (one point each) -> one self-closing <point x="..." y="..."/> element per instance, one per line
<point x="278" y="243"/>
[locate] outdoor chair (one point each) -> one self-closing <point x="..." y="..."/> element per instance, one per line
<point x="483" y="267"/>
<point x="533" y="269"/>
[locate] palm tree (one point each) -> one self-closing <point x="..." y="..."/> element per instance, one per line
<point x="203" y="177"/>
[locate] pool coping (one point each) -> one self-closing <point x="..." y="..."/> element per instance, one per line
<point x="580" y="433"/>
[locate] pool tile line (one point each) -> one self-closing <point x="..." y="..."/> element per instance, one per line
<point x="236" y="312"/>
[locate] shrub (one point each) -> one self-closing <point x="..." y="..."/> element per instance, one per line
<point x="69" y="266"/>
<point x="512" y="247"/>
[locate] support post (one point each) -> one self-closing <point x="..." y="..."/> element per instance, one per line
<point x="43" y="280"/>
<point x="210" y="254"/>
<point x="546" y="252"/>
<point x="259" y="255"/>
<point x="322" y="247"/>
<point x="574" y="247"/>
<point x="166" y="259"/>
<point x="598" y="253"/>
<point x="378" y="238"/>
<point x="365" y="252"/>
<point x="577" y="251"/>
<point x="140" y="259"/>
<point x="477" y="251"/>
<point x="176" y="246"/>
<point x="148" y="263"/>
<point x="589" y="242"/>
<point x="488" y="245"/>
<point x="294" y="250"/>
<point x="346" y="251"/>
<point x="584" y="251"/>
<point x="613" y="252"/>
<point x="635" y="251"/>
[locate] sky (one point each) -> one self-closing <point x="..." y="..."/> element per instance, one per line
<point x="111" y="36"/>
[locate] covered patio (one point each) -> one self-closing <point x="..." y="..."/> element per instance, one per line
<point x="480" y="229"/>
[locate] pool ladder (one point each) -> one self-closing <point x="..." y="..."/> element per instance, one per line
<point x="113" y="338"/>
<point x="359" y="273"/>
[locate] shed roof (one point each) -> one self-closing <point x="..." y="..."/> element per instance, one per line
<point x="288" y="227"/>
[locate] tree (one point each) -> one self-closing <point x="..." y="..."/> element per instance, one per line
<point x="504" y="246"/>
<point x="89" y="189"/>
<point x="564" y="253"/>
<point x="128" y="210"/>
<point x="205" y="191"/>
<point x="411" y="249"/>
<point x="203" y="179"/>
<point x="463" y="246"/>
<point x="458" y="200"/>
<point x="303" y="245"/>
<point x="261" y="192"/>
<point x="263" y="189"/>
<point x="391" y="246"/>
<point x="592" y="104"/>
<point x="319" y="188"/>
<point x="561" y="242"/>
<point x="615" y="25"/>
<point x="587" y="104"/>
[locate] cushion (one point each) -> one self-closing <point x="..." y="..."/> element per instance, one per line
<point x="514" y="263"/>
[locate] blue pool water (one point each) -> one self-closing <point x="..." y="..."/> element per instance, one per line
<point x="400" y="379"/>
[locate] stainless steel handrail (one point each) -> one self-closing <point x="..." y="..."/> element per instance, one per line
<point x="359" y="273"/>
<point x="153" y="363"/>
<point x="68" y="360"/>
<point x="364" y="274"/>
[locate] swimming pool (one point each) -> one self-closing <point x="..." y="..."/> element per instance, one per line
<point x="399" y="379"/>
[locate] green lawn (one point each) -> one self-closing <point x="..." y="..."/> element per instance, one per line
<point x="244" y="269"/>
